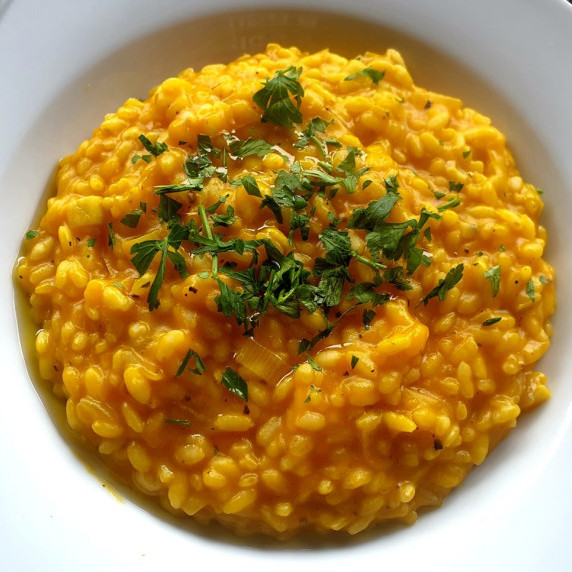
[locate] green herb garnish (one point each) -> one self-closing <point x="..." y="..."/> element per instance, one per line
<point x="450" y="204"/>
<point x="184" y="422"/>
<point x="275" y="98"/>
<point x="155" y="149"/>
<point x="530" y="290"/>
<point x="314" y="365"/>
<point x="145" y="252"/>
<point x="250" y="185"/>
<point x="312" y="390"/>
<point x="492" y="321"/>
<point x="375" y="75"/>
<point x="494" y="274"/>
<point x="132" y="219"/>
<point x="250" y="147"/>
<point x="110" y="235"/>
<point x="445" y="284"/>
<point x="367" y="317"/>
<point x="235" y="384"/>
<point x="199" y="368"/>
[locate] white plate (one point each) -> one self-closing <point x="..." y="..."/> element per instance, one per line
<point x="63" y="64"/>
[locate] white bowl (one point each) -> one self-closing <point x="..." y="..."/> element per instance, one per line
<point x="64" y="64"/>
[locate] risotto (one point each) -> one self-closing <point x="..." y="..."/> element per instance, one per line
<point x="294" y="292"/>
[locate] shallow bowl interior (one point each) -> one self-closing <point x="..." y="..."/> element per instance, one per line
<point x="55" y="467"/>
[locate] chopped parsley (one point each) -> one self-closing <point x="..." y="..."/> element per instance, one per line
<point x="32" y="234"/>
<point x="367" y="318"/>
<point x="375" y="75"/>
<point x="275" y="98"/>
<point x="184" y="422"/>
<point x="199" y="368"/>
<point x="314" y="365"/>
<point x="250" y="147"/>
<point x="110" y="235"/>
<point x="312" y="390"/>
<point x="235" y="384"/>
<point x="492" y="321"/>
<point x="144" y="252"/>
<point x="224" y="219"/>
<point x="250" y="185"/>
<point x="316" y="125"/>
<point x="132" y="219"/>
<point x="155" y="149"/>
<point x="450" y="204"/>
<point x="168" y="208"/>
<point x="452" y="278"/>
<point x="354" y="361"/>
<point x="494" y="274"/>
<point x="530" y="290"/>
<point x="276" y="279"/>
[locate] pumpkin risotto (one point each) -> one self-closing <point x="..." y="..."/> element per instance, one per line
<point x="292" y="292"/>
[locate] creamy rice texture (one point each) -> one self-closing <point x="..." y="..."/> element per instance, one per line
<point x="318" y="311"/>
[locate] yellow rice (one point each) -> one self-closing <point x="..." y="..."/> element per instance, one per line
<point x="336" y="448"/>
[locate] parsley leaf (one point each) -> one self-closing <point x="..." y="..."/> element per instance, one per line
<point x="199" y="368"/>
<point x="155" y="149"/>
<point x="224" y="219"/>
<point x="367" y="318"/>
<point x="494" y="275"/>
<point x="300" y="221"/>
<point x="445" y="284"/>
<point x="170" y="421"/>
<point x="197" y="168"/>
<point x="242" y="149"/>
<point x="144" y="252"/>
<point x="132" y="219"/>
<point x="375" y="75"/>
<point x="32" y="234"/>
<point x="375" y="213"/>
<point x="312" y="391"/>
<point x="235" y="384"/>
<point x="450" y="204"/>
<point x="275" y="101"/>
<point x="492" y="321"/>
<point x="250" y="185"/>
<point x="316" y="125"/>
<point x="348" y="166"/>
<point x="365" y="292"/>
<point x="530" y="290"/>
<point x="456" y="187"/>
<point x="110" y="235"/>
<point x="314" y="365"/>
<point x="168" y="208"/>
